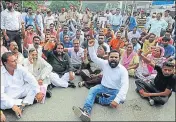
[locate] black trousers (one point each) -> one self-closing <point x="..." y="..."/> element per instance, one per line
<point x="90" y="82"/>
<point x="14" y="36"/>
<point x="150" y="87"/>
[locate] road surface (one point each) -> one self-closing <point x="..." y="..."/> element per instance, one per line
<point x="59" y="108"/>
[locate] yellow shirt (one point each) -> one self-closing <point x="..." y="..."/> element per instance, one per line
<point x="147" y="45"/>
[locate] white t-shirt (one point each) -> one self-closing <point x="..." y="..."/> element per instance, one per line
<point x="76" y="58"/>
<point x="48" y="20"/>
<point x="132" y="35"/>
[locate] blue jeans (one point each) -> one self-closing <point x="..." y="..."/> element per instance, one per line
<point x="115" y="28"/>
<point x="98" y="89"/>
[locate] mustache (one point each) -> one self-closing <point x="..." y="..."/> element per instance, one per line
<point x="15" y="48"/>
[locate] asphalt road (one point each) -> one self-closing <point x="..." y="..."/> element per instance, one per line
<point x="59" y="108"/>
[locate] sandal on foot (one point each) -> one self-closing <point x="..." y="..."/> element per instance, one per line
<point x="81" y="83"/>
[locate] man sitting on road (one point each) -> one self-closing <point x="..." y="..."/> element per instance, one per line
<point x="39" y="68"/>
<point x="77" y="56"/>
<point x="113" y="88"/>
<point x="159" y="90"/>
<point x="62" y="68"/>
<point x="14" y="49"/>
<point x="17" y="83"/>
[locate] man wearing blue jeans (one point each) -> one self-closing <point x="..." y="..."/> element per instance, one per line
<point x="114" y="85"/>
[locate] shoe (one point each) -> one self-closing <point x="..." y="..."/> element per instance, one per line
<point x="35" y="101"/>
<point x="48" y="94"/>
<point x="81" y="113"/>
<point x="50" y="86"/>
<point x="81" y="83"/>
<point x="72" y="85"/>
<point x="151" y="102"/>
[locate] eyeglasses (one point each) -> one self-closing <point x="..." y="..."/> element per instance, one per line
<point x="60" y="48"/>
<point x="65" y="37"/>
<point x="75" y="43"/>
<point x="100" y="38"/>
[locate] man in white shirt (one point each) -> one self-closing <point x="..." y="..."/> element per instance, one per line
<point x="39" y="68"/>
<point x="116" y="21"/>
<point x="48" y="19"/>
<point x="36" y="45"/>
<point x="168" y="19"/>
<point x="114" y="85"/>
<point x="77" y="56"/>
<point x="101" y="41"/>
<point x="11" y="24"/>
<point x="108" y="15"/>
<point x="17" y="83"/>
<point x="62" y="17"/>
<point x="157" y="25"/>
<point x="133" y="34"/>
<point x="39" y="21"/>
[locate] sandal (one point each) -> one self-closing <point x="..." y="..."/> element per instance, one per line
<point x="81" y="83"/>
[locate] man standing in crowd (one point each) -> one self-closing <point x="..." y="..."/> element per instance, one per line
<point x="30" y="18"/>
<point x="11" y="25"/>
<point x="116" y="20"/>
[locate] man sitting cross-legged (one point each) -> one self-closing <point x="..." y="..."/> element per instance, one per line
<point x="62" y="72"/>
<point x="17" y="83"/>
<point x="159" y="90"/>
<point x="39" y="68"/>
<point x="114" y="85"/>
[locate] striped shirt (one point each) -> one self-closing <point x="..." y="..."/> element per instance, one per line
<point x="11" y="20"/>
<point x="141" y="21"/>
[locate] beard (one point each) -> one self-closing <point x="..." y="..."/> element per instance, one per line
<point x="100" y="43"/>
<point x="36" y="45"/>
<point x="58" y="53"/>
<point x="9" y="8"/>
<point x="113" y="64"/>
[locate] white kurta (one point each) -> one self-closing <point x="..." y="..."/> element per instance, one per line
<point x="40" y="70"/>
<point x="21" y="84"/>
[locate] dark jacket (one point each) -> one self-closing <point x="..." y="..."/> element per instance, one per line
<point x="59" y="66"/>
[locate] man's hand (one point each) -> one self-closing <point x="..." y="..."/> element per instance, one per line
<point x="40" y="82"/>
<point x="39" y="97"/>
<point x="71" y="76"/>
<point x="114" y="104"/>
<point x="3" y="118"/>
<point x="6" y="38"/>
<point x="91" y="42"/>
<point x="140" y="52"/>
<point x="17" y="110"/>
<point x="144" y="94"/>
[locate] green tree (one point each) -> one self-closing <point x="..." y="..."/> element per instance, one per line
<point x="58" y="5"/>
<point x="94" y="6"/>
<point x="32" y="4"/>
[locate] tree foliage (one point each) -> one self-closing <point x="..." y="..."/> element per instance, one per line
<point x="58" y="5"/>
<point x="94" y="6"/>
<point x="32" y="4"/>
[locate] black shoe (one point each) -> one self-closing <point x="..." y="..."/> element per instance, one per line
<point x="50" y="86"/>
<point x="72" y="85"/>
<point x="48" y="94"/>
<point x="81" y="113"/>
<point x="35" y="101"/>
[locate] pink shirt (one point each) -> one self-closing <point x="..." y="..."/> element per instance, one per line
<point x="28" y="39"/>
